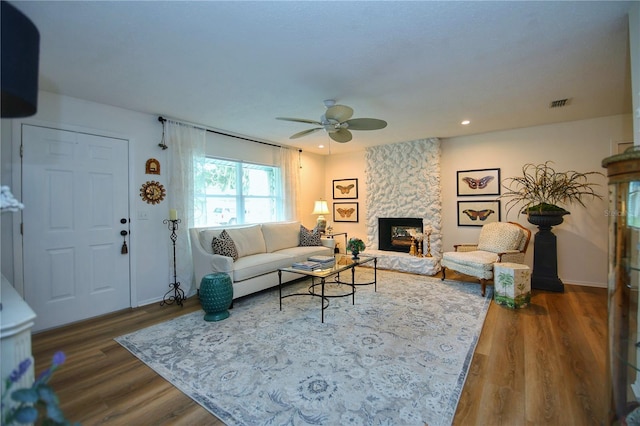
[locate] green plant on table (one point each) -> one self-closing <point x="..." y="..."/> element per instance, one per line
<point x="355" y="245"/>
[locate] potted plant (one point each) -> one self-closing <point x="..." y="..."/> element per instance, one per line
<point x="541" y="189"/>
<point x="355" y="246"/>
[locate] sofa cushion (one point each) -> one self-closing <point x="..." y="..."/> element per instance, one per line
<point x="259" y="264"/>
<point x="278" y="236"/>
<point x="309" y="238"/>
<point x="248" y="240"/>
<point x="206" y="237"/>
<point x="224" y="245"/>
<point x="498" y="237"/>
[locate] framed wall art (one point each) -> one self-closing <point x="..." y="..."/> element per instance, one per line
<point x="345" y="212"/>
<point x="478" y="182"/>
<point x="478" y="213"/>
<point x="345" y="189"/>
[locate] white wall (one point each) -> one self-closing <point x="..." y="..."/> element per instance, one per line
<point x="149" y="245"/>
<point x="578" y="145"/>
<point x="347" y="166"/>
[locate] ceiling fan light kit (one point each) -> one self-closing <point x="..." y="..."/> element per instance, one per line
<point x="336" y="121"/>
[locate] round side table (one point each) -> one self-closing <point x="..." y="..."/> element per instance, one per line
<point x="216" y="295"/>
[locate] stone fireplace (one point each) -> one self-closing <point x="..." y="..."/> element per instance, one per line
<point x="394" y="232"/>
<point x="403" y="184"/>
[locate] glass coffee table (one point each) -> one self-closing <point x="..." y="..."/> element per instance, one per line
<point x="343" y="263"/>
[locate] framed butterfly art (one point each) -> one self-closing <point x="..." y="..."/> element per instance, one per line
<point x="478" y="182"/>
<point x="478" y="213"/>
<point x="345" y="212"/>
<point x="345" y="189"/>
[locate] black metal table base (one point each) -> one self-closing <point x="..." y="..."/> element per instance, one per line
<point x="325" y="297"/>
<point x="353" y="278"/>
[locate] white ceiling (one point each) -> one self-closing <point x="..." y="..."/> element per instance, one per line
<point x="423" y="66"/>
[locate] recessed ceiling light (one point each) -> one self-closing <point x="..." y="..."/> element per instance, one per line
<point x="320" y="146"/>
<point x="465" y="122"/>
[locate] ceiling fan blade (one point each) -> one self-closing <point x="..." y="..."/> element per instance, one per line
<point x="305" y="132"/>
<point x="342" y="136"/>
<point x="300" y="120"/>
<point x="366" y="124"/>
<point x="339" y="112"/>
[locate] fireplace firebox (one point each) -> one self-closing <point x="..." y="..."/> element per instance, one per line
<point x="394" y="232"/>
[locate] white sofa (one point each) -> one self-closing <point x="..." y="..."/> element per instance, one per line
<point x="262" y="249"/>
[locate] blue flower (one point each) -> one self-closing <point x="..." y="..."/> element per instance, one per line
<point x="22" y="407"/>
<point x="19" y="372"/>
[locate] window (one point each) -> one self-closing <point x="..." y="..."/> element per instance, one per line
<point x="236" y="192"/>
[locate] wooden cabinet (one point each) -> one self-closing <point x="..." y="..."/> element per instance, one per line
<point x="623" y="364"/>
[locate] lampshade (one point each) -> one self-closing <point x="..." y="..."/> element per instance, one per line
<point x="20" y="52"/>
<point x="320" y="207"/>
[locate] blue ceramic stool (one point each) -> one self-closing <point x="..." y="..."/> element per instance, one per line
<point x="216" y="295"/>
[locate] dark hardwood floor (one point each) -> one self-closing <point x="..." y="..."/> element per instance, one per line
<point x="542" y="365"/>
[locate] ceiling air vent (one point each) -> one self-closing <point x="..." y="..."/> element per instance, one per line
<point x="559" y="103"/>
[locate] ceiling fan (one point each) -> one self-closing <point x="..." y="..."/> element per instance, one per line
<point x="337" y="122"/>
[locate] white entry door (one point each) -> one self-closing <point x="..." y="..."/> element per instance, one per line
<point x="75" y="192"/>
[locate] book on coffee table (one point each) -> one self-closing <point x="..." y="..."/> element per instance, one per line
<point x="325" y="261"/>
<point x="307" y="265"/>
<point x="322" y="259"/>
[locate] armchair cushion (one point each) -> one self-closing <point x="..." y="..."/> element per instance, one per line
<point x="499" y="237"/>
<point x="482" y="260"/>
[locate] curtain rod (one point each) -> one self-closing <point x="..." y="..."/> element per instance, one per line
<point x="162" y="120"/>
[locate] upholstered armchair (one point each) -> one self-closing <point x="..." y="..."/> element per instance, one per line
<point x="498" y="242"/>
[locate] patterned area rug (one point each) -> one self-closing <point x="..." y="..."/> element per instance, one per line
<point x="398" y="356"/>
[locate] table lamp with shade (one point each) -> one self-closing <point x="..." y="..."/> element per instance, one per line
<point x="320" y="208"/>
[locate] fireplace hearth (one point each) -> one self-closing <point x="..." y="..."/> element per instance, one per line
<point x="394" y="232"/>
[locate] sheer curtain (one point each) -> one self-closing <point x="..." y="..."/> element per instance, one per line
<point x="186" y="156"/>
<point x="290" y="169"/>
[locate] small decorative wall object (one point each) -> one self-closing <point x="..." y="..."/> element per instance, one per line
<point x="345" y="212"/>
<point x="152" y="192"/>
<point x="345" y="189"/>
<point x="478" y="213"/>
<point x="478" y="182"/>
<point x="152" y="167"/>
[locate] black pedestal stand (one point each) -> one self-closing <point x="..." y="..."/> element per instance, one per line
<point x="178" y="294"/>
<point x="545" y="253"/>
<point x="545" y="262"/>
